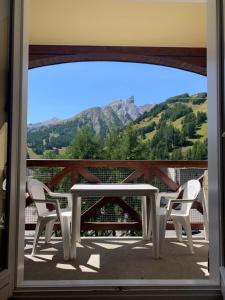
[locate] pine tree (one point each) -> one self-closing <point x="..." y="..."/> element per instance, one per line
<point x="86" y="145"/>
<point x="189" y="124"/>
<point x="111" y="148"/>
<point x="177" y="154"/>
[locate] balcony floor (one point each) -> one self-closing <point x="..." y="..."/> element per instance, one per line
<point x="117" y="258"/>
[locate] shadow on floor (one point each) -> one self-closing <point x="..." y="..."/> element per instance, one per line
<point x="117" y="258"/>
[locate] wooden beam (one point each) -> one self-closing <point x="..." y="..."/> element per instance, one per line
<point x="189" y="59"/>
<point x="133" y="176"/>
<point x="89" y="176"/>
<point x="74" y="176"/>
<point x="59" y="176"/>
<point x="127" y="208"/>
<point x="148" y="175"/>
<point x="92" y="210"/>
<point x="133" y="164"/>
<point x="197" y="205"/>
<point x="198" y="226"/>
<point x="113" y="226"/>
<point x="165" y="179"/>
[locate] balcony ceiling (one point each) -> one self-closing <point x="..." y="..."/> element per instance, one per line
<point x="118" y="23"/>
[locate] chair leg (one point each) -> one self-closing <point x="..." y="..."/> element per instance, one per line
<point x="38" y="230"/>
<point x="178" y="229"/>
<point x="65" y="227"/>
<point x="187" y="226"/>
<point x="206" y="225"/>
<point x="48" y="230"/>
<point x="162" y="232"/>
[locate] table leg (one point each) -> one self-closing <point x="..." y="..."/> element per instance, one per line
<point x="155" y="235"/>
<point x="74" y="227"/>
<point x="203" y="196"/>
<point x="78" y="220"/>
<point x="148" y="215"/>
<point x="144" y="218"/>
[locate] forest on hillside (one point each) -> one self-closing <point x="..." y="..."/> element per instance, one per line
<point x="175" y="129"/>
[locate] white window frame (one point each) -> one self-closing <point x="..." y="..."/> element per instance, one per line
<point x="18" y="138"/>
<point x="16" y="135"/>
<point x="209" y="288"/>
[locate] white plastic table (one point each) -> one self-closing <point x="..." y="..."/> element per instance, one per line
<point x="147" y="192"/>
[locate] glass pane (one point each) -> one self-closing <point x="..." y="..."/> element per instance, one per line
<point x="4" y="104"/>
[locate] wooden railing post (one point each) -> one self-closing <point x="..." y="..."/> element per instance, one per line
<point x="148" y="175"/>
<point x="74" y="176"/>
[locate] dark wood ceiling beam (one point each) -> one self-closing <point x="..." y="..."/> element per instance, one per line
<point x="189" y="59"/>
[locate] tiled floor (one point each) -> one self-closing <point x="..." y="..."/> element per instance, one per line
<point x="117" y="258"/>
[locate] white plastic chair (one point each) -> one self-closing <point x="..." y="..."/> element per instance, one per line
<point x="181" y="216"/>
<point x="46" y="218"/>
<point x="4" y="185"/>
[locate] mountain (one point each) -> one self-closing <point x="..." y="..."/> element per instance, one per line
<point x="56" y="133"/>
<point x="176" y="128"/>
<point x="127" y="111"/>
<point x="52" y="121"/>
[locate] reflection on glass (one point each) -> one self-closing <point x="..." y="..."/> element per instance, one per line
<point x="4" y="103"/>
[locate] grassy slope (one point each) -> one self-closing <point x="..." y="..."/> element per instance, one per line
<point x="32" y="154"/>
<point x="202" y="131"/>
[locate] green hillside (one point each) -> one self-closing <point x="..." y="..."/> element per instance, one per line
<point x="175" y="129"/>
<point x="174" y="112"/>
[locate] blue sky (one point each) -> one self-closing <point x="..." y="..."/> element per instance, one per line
<point x="64" y="90"/>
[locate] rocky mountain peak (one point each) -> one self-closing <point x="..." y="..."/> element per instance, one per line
<point x="130" y="100"/>
<point x="127" y="110"/>
<point x="117" y="114"/>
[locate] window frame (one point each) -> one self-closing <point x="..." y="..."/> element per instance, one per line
<point x="209" y="287"/>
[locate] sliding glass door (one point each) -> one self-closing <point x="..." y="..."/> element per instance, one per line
<point x="4" y="119"/>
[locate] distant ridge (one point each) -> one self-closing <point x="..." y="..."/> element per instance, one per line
<point x="51" y="121"/>
<point x="56" y="133"/>
<point x="126" y="110"/>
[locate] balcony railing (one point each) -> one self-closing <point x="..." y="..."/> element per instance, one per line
<point x="166" y="175"/>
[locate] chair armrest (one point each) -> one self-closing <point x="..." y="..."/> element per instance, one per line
<point x="163" y="198"/>
<point x="62" y="195"/>
<point x="176" y="201"/>
<point x="181" y="201"/>
<point x="172" y="195"/>
<point x="54" y="202"/>
<point x="51" y="201"/>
